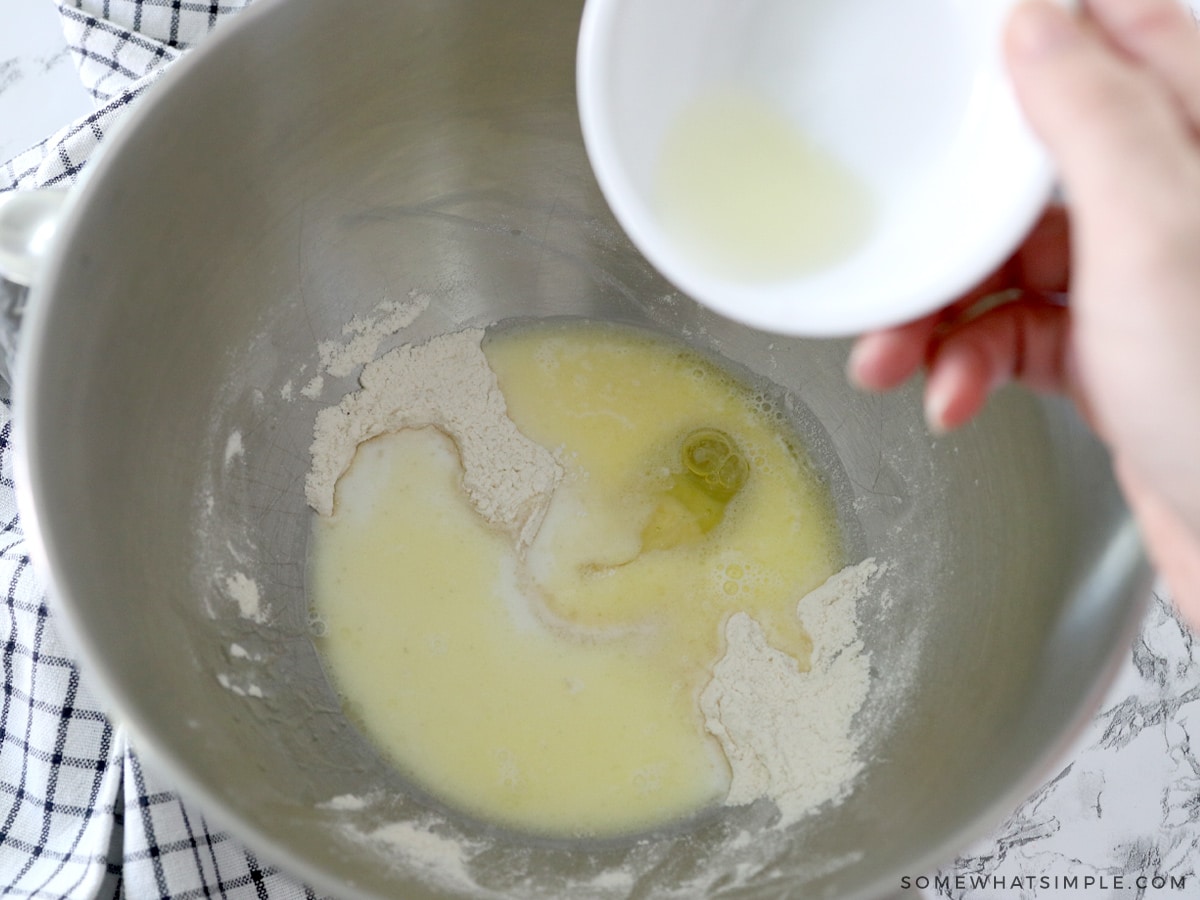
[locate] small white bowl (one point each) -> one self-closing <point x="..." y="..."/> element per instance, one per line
<point x="934" y="176"/>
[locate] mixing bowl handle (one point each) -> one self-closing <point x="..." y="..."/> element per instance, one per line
<point x="28" y="221"/>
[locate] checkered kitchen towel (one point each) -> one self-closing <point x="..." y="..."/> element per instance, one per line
<point x="79" y="817"/>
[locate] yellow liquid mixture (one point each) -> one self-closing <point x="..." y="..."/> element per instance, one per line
<point x="748" y="195"/>
<point x="556" y="694"/>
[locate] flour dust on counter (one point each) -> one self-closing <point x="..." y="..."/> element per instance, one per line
<point x="538" y="558"/>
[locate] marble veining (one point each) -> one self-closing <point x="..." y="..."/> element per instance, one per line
<point x="10" y="72"/>
<point x="16" y="69"/>
<point x="1123" y="806"/>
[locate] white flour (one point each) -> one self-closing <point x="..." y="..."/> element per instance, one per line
<point x="243" y="590"/>
<point x="234" y="447"/>
<point x="363" y="334"/>
<point x="787" y="733"/>
<point x="447" y="383"/>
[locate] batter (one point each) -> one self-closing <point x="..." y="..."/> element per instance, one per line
<point x="553" y="689"/>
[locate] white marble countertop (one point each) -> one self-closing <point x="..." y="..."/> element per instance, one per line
<point x="39" y="90"/>
<point x="1121" y="814"/>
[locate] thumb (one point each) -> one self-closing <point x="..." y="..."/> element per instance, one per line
<point x="1116" y="133"/>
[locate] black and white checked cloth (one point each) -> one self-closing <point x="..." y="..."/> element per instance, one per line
<point x="79" y="817"/>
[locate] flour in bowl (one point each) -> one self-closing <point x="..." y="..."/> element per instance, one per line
<point x="653" y="606"/>
<point x="446" y="383"/>
<point x="786" y="732"/>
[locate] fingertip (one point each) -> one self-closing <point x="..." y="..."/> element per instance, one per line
<point x="957" y="387"/>
<point x="882" y="360"/>
<point x="1038" y="29"/>
<point x="864" y="363"/>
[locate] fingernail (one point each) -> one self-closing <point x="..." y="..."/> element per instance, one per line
<point x="939" y="394"/>
<point x="949" y="377"/>
<point x="859" y="354"/>
<point x="1040" y="28"/>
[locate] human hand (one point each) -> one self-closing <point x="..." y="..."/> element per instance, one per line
<point x="1114" y="93"/>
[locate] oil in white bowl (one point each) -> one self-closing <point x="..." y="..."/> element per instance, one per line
<point x="748" y="196"/>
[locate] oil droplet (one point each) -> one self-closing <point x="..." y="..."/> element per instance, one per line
<point x="714" y="470"/>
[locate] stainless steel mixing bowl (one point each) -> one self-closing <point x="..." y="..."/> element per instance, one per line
<point x="315" y="158"/>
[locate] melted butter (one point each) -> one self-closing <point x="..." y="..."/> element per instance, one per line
<point x="557" y="694"/>
<point x="748" y="195"/>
